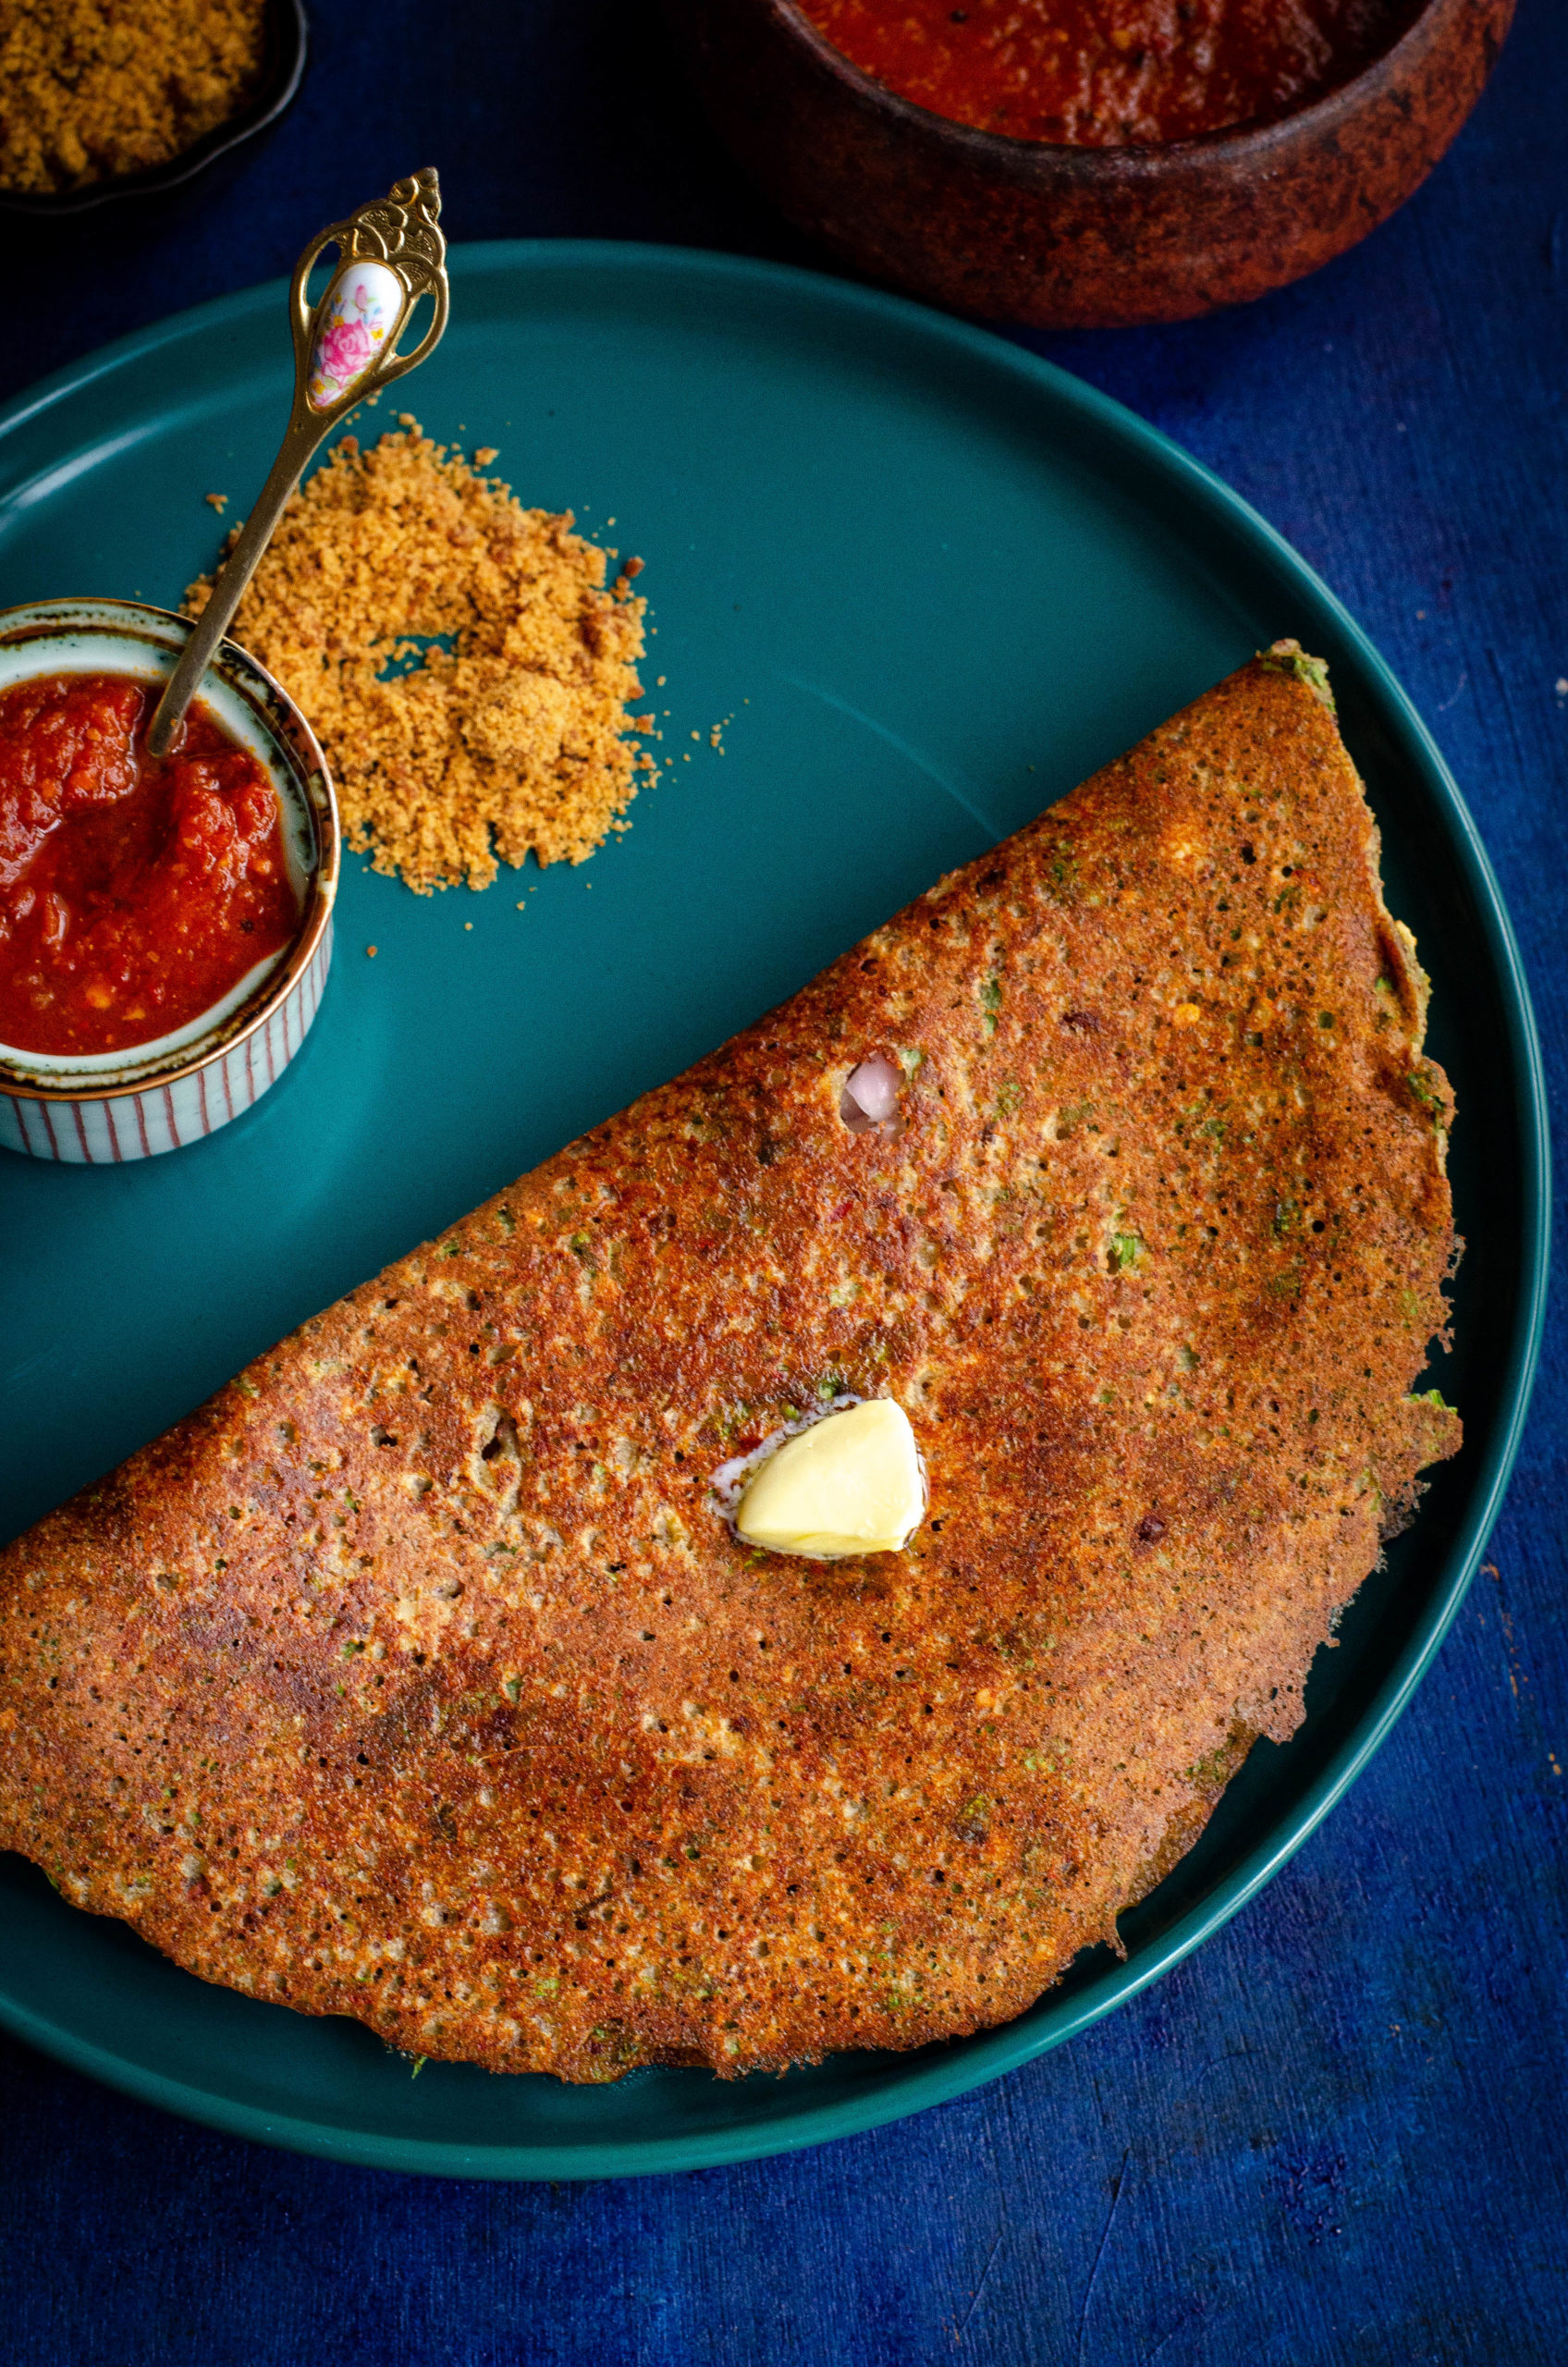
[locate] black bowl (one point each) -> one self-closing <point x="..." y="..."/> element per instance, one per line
<point x="282" y="73"/>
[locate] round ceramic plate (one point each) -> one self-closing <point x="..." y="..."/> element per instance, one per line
<point x="914" y="584"/>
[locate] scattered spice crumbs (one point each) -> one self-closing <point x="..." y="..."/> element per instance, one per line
<point x="94" y="89"/>
<point x="459" y="658"/>
<point x="218" y="501"/>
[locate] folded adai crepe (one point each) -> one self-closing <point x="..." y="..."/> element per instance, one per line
<point x="420" y="1675"/>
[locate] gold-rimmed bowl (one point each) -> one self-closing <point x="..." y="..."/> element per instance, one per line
<point x="97" y="1109"/>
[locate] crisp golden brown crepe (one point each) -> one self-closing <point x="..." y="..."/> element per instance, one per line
<point x="418" y="1677"/>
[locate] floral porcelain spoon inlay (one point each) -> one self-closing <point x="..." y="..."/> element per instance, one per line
<point x="390" y="255"/>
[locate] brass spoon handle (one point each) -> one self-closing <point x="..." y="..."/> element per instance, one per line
<point x="390" y="255"/>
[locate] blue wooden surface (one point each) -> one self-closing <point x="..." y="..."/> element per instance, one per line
<point x="1340" y="2132"/>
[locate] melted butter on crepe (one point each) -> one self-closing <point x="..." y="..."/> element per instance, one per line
<point x="850" y="1484"/>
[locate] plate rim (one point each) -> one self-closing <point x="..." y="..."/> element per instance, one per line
<point x="971" y="2062"/>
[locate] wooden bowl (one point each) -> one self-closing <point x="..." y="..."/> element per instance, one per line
<point x="1077" y="237"/>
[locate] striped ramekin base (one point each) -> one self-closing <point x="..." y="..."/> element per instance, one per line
<point x="164" y="1117"/>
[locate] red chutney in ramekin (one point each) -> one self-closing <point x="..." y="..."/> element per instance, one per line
<point x="1111" y="73"/>
<point x="135" y="892"/>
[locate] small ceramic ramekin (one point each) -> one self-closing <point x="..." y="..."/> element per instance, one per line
<point x="96" y="1109"/>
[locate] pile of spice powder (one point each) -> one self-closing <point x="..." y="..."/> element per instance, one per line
<point x="94" y="89"/>
<point x="507" y="734"/>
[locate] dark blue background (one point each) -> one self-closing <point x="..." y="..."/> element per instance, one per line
<point x="1338" y="2133"/>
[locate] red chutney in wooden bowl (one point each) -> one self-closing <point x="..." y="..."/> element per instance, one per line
<point x="134" y="892"/>
<point x="1111" y="73"/>
<point x="1136" y="216"/>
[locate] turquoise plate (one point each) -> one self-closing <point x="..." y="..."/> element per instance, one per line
<point x="925" y="583"/>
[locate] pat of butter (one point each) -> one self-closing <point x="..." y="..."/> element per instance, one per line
<point x="850" y="1484"/>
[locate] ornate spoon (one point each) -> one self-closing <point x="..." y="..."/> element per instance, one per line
<point x="390" y="254"/>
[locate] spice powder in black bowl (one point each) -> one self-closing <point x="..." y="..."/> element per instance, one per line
<point x="101" y="99"/>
